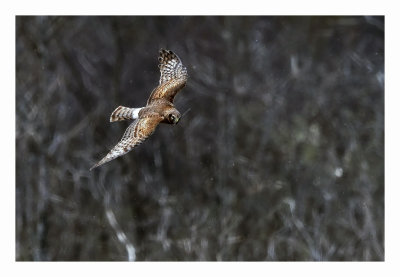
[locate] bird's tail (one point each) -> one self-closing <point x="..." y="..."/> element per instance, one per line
<point x="124" y="113"/>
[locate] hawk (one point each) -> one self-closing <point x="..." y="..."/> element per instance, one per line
<point x="159" y="107"/>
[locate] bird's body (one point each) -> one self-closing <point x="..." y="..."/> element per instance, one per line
<point x="159" y="108"/>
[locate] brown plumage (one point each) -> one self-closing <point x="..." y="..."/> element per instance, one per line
<point x="159" y="108"/>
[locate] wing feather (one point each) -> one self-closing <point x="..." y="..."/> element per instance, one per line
<point x="134" y="135"/>
<point x="173" y="76"/>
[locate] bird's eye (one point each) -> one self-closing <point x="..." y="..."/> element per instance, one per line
<point x="171" y="117"/>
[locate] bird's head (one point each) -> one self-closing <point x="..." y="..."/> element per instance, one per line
<point x="173" y="117"/>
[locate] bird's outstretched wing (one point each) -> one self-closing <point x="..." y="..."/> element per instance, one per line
<point x="173" y="76"/>
<point x="134" y="135"/>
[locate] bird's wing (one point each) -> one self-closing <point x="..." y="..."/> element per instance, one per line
<point x="134" y="135"/>
<point x="173" y="76"/>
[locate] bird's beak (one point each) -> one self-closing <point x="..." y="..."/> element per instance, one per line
<point x="176" y="120"/>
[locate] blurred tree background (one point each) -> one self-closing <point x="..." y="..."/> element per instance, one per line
<point x="281" y="156"/>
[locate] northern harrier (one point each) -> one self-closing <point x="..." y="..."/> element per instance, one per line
<point x="159" y="107"/>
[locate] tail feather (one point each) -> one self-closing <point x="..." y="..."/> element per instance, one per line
<point x="124" y="113"/>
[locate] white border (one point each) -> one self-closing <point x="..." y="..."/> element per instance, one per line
<point x="71" y="7"/>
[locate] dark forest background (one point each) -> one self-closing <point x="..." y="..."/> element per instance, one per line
<point x="280" y="157"/>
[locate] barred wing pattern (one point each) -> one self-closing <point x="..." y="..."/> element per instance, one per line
<point x="134" y="135"/>
<point x="173" y="76"/>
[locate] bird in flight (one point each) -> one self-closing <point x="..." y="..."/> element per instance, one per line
<point x="159" y="107"/>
